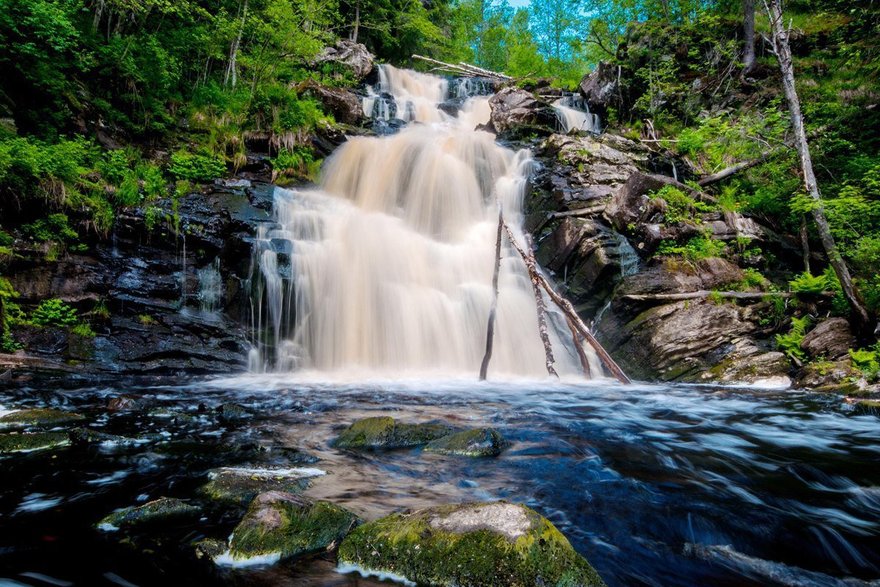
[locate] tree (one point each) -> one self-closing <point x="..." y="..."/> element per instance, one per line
<point x="748" y="36"/>
<point x="860" y="317"/>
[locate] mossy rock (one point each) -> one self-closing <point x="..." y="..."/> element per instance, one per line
<point x="384" y="432"/>
<point x="165" y="510"/>
<point x="481" y="442"/>
<point x="239" y="485"/>
<point x="38" y="417"/>
<point x="231" y="413"/>
<point x="867" y="406"/>
<point x="280" y="525"/>
<point x="15" y="443"/>
<point x="477" y="545"/>
<point x="209" y="548"/>
<point x="86" y="436"/>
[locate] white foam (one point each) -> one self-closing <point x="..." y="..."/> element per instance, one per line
<point x="265" y="473"/>
<point x="346" y="568"/>
<point x="263" y="560"/>
<point x="105" y="527"/>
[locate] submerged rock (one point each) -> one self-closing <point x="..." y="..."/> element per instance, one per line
<point x="384" y="432"/>
<point x="37" y="417"/>
<point x="16" y="443"/>
<point x="280" y="525"/>
<point x="478" y="544"/>
<point x="230" y="413"/>
<point x="239" y="485"/>
<point x="159" y="511"/>
<point x="125" y="403"/>
<point x="482" y="442"/>
<point x="87" y="436"/>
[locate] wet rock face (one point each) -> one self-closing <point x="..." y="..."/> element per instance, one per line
<point x="517" y="112"/>
<point x="164" y="510"/>
<point x="281" y="525"/>
<point x="343" y="104"/>
<point x="383" y="432"/>
<point x="38" y="417"/>
<point x="239" y="485"/>
<point x="482" y="442"/>
<point x="831" y="339"/>
<point x="599" y="87"/>
<point x="19" y="443"/>
<point x="481" y="544"/>
<point x="352" y="56"/>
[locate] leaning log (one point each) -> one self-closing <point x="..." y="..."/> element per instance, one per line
<point x="490" y="328"/>
<point x="696" y="295"/>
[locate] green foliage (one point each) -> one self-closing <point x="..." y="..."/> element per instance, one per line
<point x="790" y="343"/>
<point x="54" y="227"/>
<point x="679" y="206"/>
<point x="807" y="283"/>
<point x="196" y="166"/>
<point x="296" y="163"/>
<point x="54" y="312"/>
<point x="867" y="361"/>
<point x="697" y="248"/>
<point x="752" y="280"/>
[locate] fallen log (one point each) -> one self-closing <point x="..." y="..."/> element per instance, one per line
<point x="569" y="311"/>
<point x="696" y="295"/>
<point x="464" y="69"/>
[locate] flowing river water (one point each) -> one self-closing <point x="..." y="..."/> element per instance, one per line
<point x="372" y="296"/>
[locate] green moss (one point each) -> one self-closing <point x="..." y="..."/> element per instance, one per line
<point x="472" y="544"/>
<point x="238" y="487"/>
<point x="279" y="522"/>
<point x="11" y="443"/>
<point x="38" y="417"/>
<point x="482" y="442"/>
<point x="162" y="510"/>
<point x="385" y="432"/>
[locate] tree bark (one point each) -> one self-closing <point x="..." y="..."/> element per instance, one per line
<point x="860" y="318"/>
<point x="231" y="68"/>
<point x="749" y="36"/>
<point x="355" y="30"/>
<point x="805" y="243"/>
<point x="490" y="328"/>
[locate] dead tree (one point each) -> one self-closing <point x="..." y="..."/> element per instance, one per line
<point x="860" y="317"/>
<point x="490" y="328"/>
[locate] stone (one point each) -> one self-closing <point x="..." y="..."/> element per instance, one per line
<point x="384" y="432"/>
<point x="344" y="105"/>
<point x="38" y="417"/>
<point x="831" y="339"/>
<point x="516" y="109"/>
<point x="165" y="510"/>
<point x="476" y="544"/>
<point x="230" y="413"/>
<point x="831" y="376"/>
<point x="125" y="403"/>
<point x="19" y="443"/>
<point x="239" y="485"/>
<point x="481" y="442"/>
<point x="87" y="436"/>
<point x="599" y="87"/>
<point x="280" y="525"/>
<point x="352" y="56"/>
<point x="631" y="206"/>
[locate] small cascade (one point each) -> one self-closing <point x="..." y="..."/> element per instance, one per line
<point x="210" y="287"/>
<point x="386" y="267"/>
<point x="573" y="113"/>
<point x="405" y="95"/>
<point x="629" y="258"/>
<point x="469" y="87"/>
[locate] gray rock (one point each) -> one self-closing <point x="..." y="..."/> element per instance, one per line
<point x="599" y="87"/>
<point x="384" y="432"/>
<point x="353" y="56"/>
<point x="38" y="417"/>
<point x="481" y="442"/>
<point x="165" y="510"/>
<point x="516" y="109"/>
<point x="831" y="339"/>
<point x="239" y="485"/>
<point x="344" y="105"/>
<point x="478" y="544"/>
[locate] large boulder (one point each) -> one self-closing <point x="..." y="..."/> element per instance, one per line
<point x="384" y="432"/>
<point x="481" y="442"/>
<point x="20" y="443"/>
<point x="344" y="105"/>
<point x="477" y="544"/>
<point x="37" y="417"/>
<point x="599" y="87"/>
<point x="516" y="111"/>
<point x="281" y="525"/>
<point x="831" y="339"/>
<point x="352" y="56"/>
<point x="165" y="510"/>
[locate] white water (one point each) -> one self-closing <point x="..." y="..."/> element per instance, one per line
<point x="386" y="268"/>
<point x="573" y="114"/>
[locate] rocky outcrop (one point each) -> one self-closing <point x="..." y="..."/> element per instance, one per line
<point x="516" y="112"/>
<point x="345" y="106"/>
<point x="350" y="56"/>
<point x="477" y="544"/>
<point x="831" y="339"/>
<point x="598" y="88"/>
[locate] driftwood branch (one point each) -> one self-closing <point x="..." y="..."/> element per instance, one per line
<point x="579" y="347"/>
<point x="490" y="328"/>
<point x="464" y="69"/>
<point x="569" y="311"/>
<point x="734" y="169"/>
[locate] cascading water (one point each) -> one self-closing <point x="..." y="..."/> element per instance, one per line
<point x="574" y="114"/>
<point x="387" y="266"/>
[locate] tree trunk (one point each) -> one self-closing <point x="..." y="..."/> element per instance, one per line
<point x="805" y="243"/>
<point x="490" y="328"/>
<point x="231" y="68"/>
<point x="749" y="36"/>
<point x="860" y="317"/>
<point x="357" y="22"/>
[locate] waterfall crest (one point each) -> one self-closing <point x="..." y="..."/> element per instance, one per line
<point x="574" y="114"/>
<point x="386" y="266"/>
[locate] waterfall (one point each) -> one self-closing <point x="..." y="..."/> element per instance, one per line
<point x="574" y="114"/>
<point x="386" y="266"/>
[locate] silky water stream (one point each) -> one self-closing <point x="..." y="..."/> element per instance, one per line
<point x="372" y="293"/>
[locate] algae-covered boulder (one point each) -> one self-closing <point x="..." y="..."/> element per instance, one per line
<point x="481" y="442"/>
<point x="160" y="511"/>
<point x="477" y="545"/>
<point x="385" y="432"/>
<point x="280" y="525"/>
<point x="231" y="413"/>
<point x="37" y="417"/>
<point x="239" y="485"/>
<point x="16" y="443"/>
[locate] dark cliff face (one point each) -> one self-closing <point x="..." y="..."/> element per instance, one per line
<point x="172" y="299"/>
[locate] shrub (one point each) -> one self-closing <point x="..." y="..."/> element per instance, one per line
<point x="867" y="361"/>
<point x="790" y="343"/>
<point x="54" y="227"/>
<point x="54" y="312"/>
<point x="679" y="206"/>
<point x="83" y="329"/>
<point x="807" y="283"/>
<point x="699" y="247"/>
<point x="196" y="166"/>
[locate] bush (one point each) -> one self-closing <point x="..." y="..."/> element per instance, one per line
<point x="790" y="343"/>
<point x="679" y="206"/>
<point x="699" y="247"/>
<point x="54" y="312"/>
<point x="83" y="329"/>
<point x="867" y="361"/>
<point x="196" y="166"/>
<point x="54" y="227"/>
<point x="807" y="283"/>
